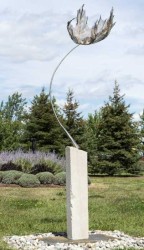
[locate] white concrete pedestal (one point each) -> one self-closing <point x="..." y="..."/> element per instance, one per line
<point x="77" y="193"/>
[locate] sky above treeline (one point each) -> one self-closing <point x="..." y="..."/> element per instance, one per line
<point x="34" y="38"/>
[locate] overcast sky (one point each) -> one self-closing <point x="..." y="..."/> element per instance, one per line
<point x="34" y="38"/>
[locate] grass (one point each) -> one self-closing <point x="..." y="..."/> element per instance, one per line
<point x="117" y="204"/>
<point x="114" y="204"/>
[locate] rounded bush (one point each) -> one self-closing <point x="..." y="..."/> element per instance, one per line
<point x="45" y="177"/>
<point x="60" y="178"/>
<point x="11" y="176"/>
<point x="28" y="180"/>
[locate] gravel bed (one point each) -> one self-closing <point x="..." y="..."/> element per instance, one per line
<point x="34" y="242"/>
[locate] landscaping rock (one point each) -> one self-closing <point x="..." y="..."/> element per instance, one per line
<point x="35" y="242"/>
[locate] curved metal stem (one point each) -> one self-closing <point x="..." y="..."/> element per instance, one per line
<point x="50" y="92"/>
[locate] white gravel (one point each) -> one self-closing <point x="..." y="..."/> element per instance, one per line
<point x="33" y="242"/>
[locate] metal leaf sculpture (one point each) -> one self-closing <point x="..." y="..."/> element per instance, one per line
<point x="81" y="34"/>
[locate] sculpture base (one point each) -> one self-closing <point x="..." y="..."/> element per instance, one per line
<point x="77" y="193"/>
<point x="62" y="238"/>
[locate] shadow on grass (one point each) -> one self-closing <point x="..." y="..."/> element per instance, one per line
<point x="115" y="176"/>
<point x="52" y="220"/>
<point x="96" y="196"/>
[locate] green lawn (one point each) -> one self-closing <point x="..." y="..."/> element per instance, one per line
<point x="114" y="204"/>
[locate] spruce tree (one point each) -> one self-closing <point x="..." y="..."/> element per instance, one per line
<point x="118" y="138"/>
<point x="74" y="122"/>
<point x="42" y="126"/>
<point x="90" y="139"/>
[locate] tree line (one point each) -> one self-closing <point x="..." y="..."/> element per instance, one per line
<point x="111" y="137"/>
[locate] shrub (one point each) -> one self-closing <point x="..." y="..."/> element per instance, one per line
<point x="60" y="178"/>
<point x="45" y="177"/>
<point x="57" y="168"/>
<point x="10" y="166"/>
<point x="46" y="166"/>
<point x="39" y="167"/>
<point x="24" y="164"/>
<point x="11" y="176"/>
<point x="89" y="180"/>
<point x="1" y="175"/>
<point x="14" y="160"/>
<point x="141" y="165"/>
<point x="28" y="180"/>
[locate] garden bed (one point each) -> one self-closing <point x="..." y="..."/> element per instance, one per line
<point x="40" y="186"/>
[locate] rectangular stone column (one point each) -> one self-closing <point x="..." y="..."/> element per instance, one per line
<point x="77" y="193"/>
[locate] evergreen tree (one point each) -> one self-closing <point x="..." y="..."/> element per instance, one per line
<point x="118" y="138"/>
<point x="90" y="139"/>
<point x="42" y="126"/>
<point x="74" y="122"/>
<point x="12" y="114"/>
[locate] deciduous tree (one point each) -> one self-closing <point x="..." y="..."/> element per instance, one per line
<point x="12" y="113"/>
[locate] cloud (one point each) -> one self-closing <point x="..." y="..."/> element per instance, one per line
<point x="132" y="87"/>
<point x="32" y="36"/>
<point x="137" y="50"/>
<point x="33" y="40"/>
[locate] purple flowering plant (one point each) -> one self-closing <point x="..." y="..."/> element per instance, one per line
<point x="29" y="160"/>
